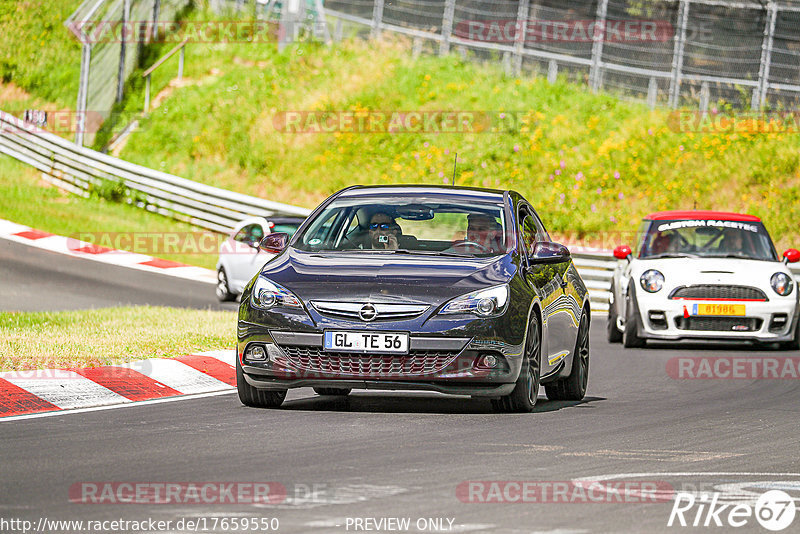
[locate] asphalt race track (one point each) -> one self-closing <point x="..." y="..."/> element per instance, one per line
<point x="357" y="461"/>
<point x="40" y="280"/>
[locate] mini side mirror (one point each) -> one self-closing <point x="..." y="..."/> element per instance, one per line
<point x="549" y="252"/>
<point x="274" y="243"/>
<point x="791" y="255"/>
<point x="622" y="252"/>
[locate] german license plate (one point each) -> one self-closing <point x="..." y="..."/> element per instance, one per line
<point x="366" y="342"/>
<point x="719" y="309"/>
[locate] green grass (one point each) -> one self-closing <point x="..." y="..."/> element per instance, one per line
<point x="37" y="52"/>
<point x="57" y="340"/>
<point x="26" y="199"/>
<point x="592" y="164"/>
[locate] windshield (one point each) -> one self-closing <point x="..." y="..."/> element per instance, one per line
<point x="707" y="239"/>
<point x="409" y="224"/>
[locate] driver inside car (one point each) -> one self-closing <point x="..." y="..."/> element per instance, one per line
<point x="383" y="231"/>
<point x="485" y="231"/>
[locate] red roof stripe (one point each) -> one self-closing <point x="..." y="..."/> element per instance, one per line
<point x="702" y="215"/>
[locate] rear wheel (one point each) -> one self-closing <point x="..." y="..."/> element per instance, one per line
<point x="630" y="337"/>
<point x="612" y="332"/>
<point x="223" y="291"/>
<point x="573" y="387"/>
<point x="526" y="390"/>
<point x="257" y="398"/>
<point x="338" y="392"/>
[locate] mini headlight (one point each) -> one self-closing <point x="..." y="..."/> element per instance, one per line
<point x="781" y="283"/>
<point x="652" y="281"/>
<point x="485" y="303"/>
<point x="267" y="294"/>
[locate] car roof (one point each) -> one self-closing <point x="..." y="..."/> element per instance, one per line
<point x="701" y="214"/>
<point x="476" y="192"/>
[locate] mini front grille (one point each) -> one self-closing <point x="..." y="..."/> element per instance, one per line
<point x="417" y="362"/>
<point x="719" y="324"/>
<point x="718" y="292"/>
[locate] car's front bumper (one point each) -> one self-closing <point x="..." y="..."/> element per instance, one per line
<point x="771" y="321"/>
<point x="442" y="363"/>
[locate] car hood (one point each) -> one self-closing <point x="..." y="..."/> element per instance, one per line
<point x="726" y="271"/>
<point x="385" y="277"/>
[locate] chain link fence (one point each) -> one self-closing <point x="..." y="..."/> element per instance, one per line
<point x="113" y="34"/>
<point x="674" y="53"/>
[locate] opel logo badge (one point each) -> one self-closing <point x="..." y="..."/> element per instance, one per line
<point x="367" y="312"/>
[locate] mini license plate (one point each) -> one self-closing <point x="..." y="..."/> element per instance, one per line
<point x="367" y="342"/>
<point x="718" y="309"/>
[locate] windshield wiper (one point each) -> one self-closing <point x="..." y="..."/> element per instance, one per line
<point x="672" y="255"/>
<point x="431" y="253"/>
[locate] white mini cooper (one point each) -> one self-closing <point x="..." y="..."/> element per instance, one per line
<point x="703" y="275"/>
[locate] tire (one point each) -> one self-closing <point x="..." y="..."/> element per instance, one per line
<point x="573" y="387"/>
<point x="254" y="397"/>
<point x="630" y="337"/>
<point x="795" y="343"/>
<point x="526" y="390"/>
<point x="337" y="392"/>
<point x="612" y="332"/>
<point x="223" y="290"/>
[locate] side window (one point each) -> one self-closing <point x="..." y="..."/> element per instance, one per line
<point x="256" y="233"/>
<point x="541" y="233"/>
<point x="527" y="232"/>
<point x="244" y="234"/>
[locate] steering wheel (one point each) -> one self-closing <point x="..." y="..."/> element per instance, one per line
<point x="466" y="244"/>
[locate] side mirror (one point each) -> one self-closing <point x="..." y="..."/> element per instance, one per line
<point x="549" y="252"/>
<point x="275" y="243"/>
<point x="623" y="252"/>
<point x="791" y="255"/>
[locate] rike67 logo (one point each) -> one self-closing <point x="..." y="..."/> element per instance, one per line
<point x="774" y="510"/>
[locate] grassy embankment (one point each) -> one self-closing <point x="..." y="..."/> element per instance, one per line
<point x="57" y="340"/>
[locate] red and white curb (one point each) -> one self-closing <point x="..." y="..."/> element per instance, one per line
<point x="80" y="249"/>
<point x="53" y="390"/>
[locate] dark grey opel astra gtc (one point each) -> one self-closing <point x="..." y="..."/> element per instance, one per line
<point x="448" y="289"/>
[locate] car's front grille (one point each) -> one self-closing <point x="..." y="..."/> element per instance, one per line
<point x="718" y="292"/>
<point x="376" y="312"/>
<point x="417" y="362"/>
<point x="719" y="324"/>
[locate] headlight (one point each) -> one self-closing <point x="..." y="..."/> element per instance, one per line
<point x="267" y="294"/>
<point x="652" y="281"/>
<point x="781" y="283"/>
<point x="485" y="303"/>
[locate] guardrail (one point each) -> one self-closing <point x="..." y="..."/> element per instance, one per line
<point x="80" y="170"/>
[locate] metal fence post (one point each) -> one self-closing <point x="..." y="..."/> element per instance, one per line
<point x="705" y="97"/>
<point x="760" y="95"/>
<point x="652" y="92"/>
<point x="552" y="71"/>
<point x="447" y="26"/>
<point x="522" y="31"/>
<point x="181" y="60"/>
<point x="595" y="80"/>
<point x="377" y="17"/>
<point x="126" y="17"/>
<point x="156" y="13"/>
<point x="677" y="54"/>
<point x="83" y="91"/>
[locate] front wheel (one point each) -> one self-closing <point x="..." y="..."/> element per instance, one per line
<point x="223" y="290"/>
<point x="526" y="390"/>
<point x="630" y="337"/>
<point x="254" y="397"/>
<point x="573" y="387"/>
<point x="612" y="332"/>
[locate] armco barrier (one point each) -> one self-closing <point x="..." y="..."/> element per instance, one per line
<point x="78" y="169"/>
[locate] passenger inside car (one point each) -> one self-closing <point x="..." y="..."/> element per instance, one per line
<point x="485" y="231"/>
<point x="383" y="232"/>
